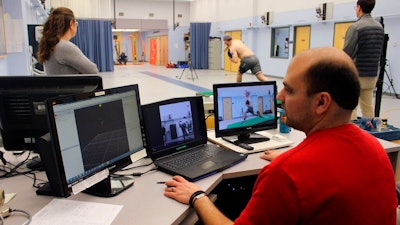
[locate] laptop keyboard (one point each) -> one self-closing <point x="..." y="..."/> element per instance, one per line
<point x="191" y="157"/>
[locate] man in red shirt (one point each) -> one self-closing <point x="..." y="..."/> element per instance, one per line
<point x="339" y="174"/>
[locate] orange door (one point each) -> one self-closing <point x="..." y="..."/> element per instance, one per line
<point x="153" y="51"/>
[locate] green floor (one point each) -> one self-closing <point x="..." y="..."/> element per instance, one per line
<point x="251" y="121"/>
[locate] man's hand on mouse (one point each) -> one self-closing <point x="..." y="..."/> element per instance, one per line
<point x="270" y="154"/>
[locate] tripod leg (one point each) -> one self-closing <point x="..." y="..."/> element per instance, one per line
<point x="195" y="74"/>
<point x="191" y="73"/>
<point x="182" y="73"/>
<point x="193" y="70"/>
<point x="391" y="84"/>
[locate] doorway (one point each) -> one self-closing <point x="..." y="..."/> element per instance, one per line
<point x="340" y="34"/>
<point x="302" y="36"/>
<point x="158" y="50"/>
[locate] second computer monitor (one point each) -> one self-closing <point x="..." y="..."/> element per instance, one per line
<point x="241" y="109"/>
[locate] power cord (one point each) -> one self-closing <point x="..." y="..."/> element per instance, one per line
<point x="28" y="215"/>
<point x="135" y="174"/>
<point x="12" y="171"/>
<point x="209" y="115"/>
<point x="10" y="211"/>
<point x="134" y="167"/>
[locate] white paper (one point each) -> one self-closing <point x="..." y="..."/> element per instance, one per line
<point x="67" y="212"/>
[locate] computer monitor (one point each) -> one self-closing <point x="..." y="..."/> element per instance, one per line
<point x="241" y="109"/>
<point x="23" y="116"/>
<point x="92" y="135"/>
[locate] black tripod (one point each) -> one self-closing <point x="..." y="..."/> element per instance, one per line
<point x="390" y="79"/>
<point x="191" y="69"/>
<point x="382" y="72"/>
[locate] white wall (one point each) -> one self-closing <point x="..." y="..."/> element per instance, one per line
<point x="291" y="5"/>
<point x="18" y="62"/>
<point x="131" y="9"/>
<point x="161" y="10"/>
<point x="221" y="10"/>
<point x="87" y="8"/>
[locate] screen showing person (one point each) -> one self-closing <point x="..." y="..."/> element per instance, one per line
<point x="244" y="108"/>
<point x="173" y="124"/>
<point x="177" y="122"/>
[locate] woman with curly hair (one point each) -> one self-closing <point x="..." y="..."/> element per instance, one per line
<point x="57" y="54"/>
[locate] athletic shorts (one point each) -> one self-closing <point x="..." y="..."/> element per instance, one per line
<point x="250" y="62"/>
<point x="250" y="109"/>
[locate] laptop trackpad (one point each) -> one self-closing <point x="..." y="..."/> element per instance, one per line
<point x="207" y="164"/>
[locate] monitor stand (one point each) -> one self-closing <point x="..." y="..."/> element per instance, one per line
<point x="108" y="187"/>
<point x="244" y="140"/>
<point x="111" y="186"/>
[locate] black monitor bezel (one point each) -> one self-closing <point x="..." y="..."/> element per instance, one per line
<point x="152" y="109"/>
<point x="35" y="90"/>
<point x="62" y="187"/>
<point x="245" y="130"/>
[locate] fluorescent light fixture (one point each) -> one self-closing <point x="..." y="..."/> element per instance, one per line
<point x="125" y="30"/>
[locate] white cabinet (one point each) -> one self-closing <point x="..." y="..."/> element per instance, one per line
<point x="214" y="54"/>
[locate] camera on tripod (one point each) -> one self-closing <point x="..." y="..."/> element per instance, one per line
<point x="191" y="69"/>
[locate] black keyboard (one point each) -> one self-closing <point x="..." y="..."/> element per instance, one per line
<point x="189" y="158"/>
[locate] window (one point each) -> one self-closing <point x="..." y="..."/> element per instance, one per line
<point x="280" y="42"/>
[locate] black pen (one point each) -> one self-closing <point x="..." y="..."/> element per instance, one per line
<point x="163" y="182"/>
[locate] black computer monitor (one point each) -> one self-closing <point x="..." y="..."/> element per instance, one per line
<point x="241" y="109"/>
<point x="92" y="135"/>
<point x="23" y="116"/>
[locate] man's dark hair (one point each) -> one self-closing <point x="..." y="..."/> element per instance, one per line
<point x="366" y="5"/>
<point x="338" y="79"/>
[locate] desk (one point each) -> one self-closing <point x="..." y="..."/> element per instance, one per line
<point x="144" y="203"/>
<point x="397" y="170"/>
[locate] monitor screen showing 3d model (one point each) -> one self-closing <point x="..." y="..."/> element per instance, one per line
<point x="93" y="135"/>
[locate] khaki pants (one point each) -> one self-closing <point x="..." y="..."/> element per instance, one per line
<point x="367" y="85"/>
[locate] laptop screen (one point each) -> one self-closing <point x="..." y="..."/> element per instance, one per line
<point x="174" y="124"/>
<point x="95" y="132"/>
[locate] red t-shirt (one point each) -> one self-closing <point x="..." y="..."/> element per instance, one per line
<point x="337" y="176"/>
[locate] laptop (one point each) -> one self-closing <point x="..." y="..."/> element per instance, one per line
<point x="176" y="139"/>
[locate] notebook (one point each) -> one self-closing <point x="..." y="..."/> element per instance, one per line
<point x="176" y="139"/>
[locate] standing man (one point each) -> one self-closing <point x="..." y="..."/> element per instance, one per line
<point x="248" y="60"/>
<point x="364" y="43"/>
<point x="339" y="174"/>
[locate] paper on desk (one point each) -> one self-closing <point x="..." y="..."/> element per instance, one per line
<point x="63" y="212"/>
<point x="9" y="197"/>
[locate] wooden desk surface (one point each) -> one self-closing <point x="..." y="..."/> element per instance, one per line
<point x="144" y="203"/>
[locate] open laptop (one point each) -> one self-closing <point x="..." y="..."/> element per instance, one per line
<point x="176" y="139"/>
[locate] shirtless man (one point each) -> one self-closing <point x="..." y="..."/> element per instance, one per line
<point x="250" y="108"/>
<point x="248" y="60"/>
